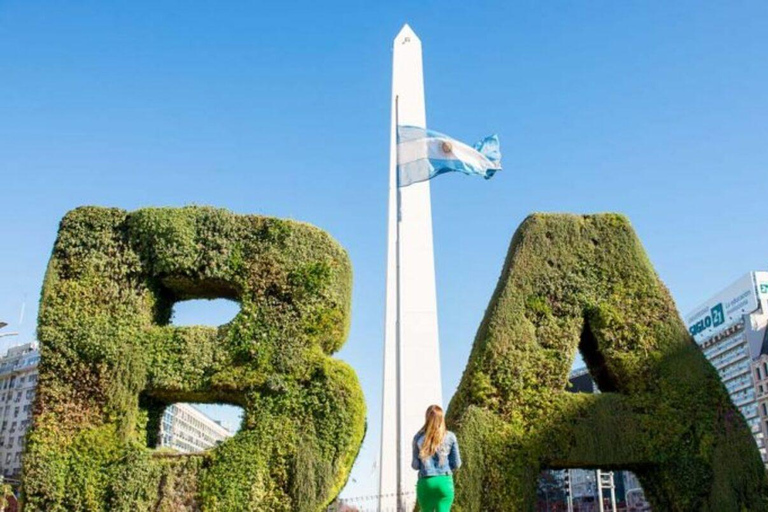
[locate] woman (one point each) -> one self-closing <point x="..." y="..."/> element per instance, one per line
<point x="436" y="456"/>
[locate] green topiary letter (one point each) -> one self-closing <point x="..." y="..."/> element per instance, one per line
<point x="111" y="364"/>
<point x="573" y="282"/>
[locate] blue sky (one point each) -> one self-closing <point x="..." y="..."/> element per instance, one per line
<point x="654" y="109"/>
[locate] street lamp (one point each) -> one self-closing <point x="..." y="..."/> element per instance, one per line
<point x="3" y="324"/>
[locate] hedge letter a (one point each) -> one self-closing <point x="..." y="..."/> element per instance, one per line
<point x="584" y="283"/>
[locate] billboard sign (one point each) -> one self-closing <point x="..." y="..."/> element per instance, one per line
<point x="727" y="307"/>
<point x="761" y="278"/>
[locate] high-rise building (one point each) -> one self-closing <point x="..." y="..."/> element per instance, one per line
<point x="730" y="328"/>
<point x="18" y="381"/>
<point x="186" y="429"/>
<point x="760" y="374"/>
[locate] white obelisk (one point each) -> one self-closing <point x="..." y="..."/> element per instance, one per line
<point x="411" y="350"/>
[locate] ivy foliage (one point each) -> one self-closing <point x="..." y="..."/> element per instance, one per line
<point x="111" y="363"/>
<point x="585" y="283"/>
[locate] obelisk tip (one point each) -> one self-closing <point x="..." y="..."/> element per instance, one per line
<point x="406" y="33"/>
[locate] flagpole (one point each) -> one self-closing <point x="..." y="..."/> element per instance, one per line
<point x="398" y="335"/>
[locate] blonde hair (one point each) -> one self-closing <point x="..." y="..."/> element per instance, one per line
<point x="434" y="431"/>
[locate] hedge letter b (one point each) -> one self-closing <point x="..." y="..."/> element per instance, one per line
<point x="111" y="364"/>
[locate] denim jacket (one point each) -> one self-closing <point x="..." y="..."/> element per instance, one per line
<point x="443" y="462"/>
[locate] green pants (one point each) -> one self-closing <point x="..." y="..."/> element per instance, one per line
<point x="435" y="493"/>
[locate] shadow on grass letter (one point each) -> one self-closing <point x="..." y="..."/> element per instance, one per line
<point x="111" y="364"/>
<point x="584" y="283"/>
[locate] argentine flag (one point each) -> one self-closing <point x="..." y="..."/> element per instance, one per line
<point x="423" y="154"/>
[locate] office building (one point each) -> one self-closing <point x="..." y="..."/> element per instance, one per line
<point x="184" y="428"/>
<point x="730" y="329"/>
<point x="18" y="381"/>
<point x="760" y="376"/>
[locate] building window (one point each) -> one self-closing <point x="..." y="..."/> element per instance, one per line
<point x="765" y="410"/>
<point x="757" y="370"/>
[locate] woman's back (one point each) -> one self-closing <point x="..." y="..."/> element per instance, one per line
<point x="443" y="462"/>
<point x="435" y="456"/>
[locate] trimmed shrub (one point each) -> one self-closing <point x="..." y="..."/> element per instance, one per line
<point x="584" y="282"/>
<point x="110" y="364"/>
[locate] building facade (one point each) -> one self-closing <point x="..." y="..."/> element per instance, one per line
<point x="18" y="382"/>
<point x="730" y="329"/>
<point x="633" y="493"/>
<point x="186" y="429"/>
<point x="760" y="376"/>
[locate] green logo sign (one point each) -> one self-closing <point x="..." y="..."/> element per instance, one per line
<point x="716" y="317"/>
<point x="764" y="288"/>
